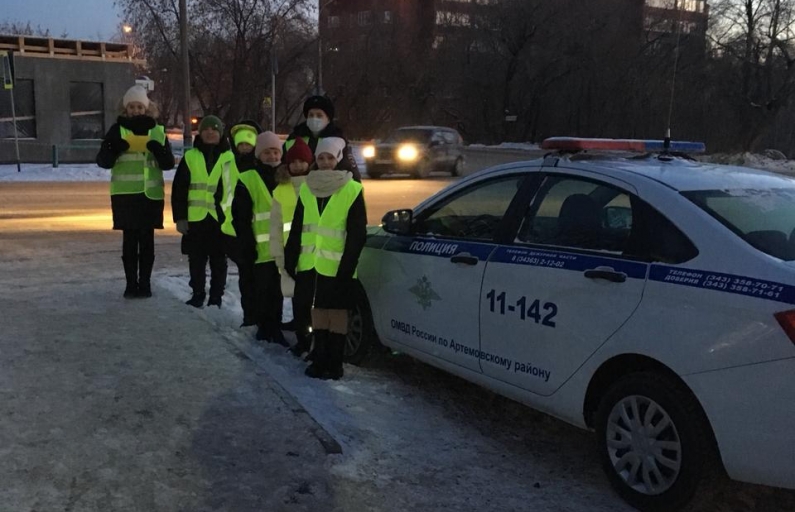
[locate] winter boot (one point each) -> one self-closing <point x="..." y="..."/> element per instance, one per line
<point x="197" y="300"/>
<point x="336" y="354"/>
<point x="278" y="337"/>
<point x="317" y="370"/>
<point x="131" y="274"/>
<point x="262" y="334"/>
<point x="214" y="301"/>
<point x="145" y="264"/>
<point x="302" y="346"/>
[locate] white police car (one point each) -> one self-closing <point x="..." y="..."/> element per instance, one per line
<point x="649" y="298"/>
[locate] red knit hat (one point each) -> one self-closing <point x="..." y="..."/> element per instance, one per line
<point x="299" y="151"/>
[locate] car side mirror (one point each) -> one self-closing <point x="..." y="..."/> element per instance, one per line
<point x="398" y="222"/>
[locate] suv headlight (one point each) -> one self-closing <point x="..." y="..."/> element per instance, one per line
<point x="408" y="153"/>
<point x="368" y="151"/>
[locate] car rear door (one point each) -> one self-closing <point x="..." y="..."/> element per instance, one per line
<point x="564" y="285"/>
<point x="431" y="280"/>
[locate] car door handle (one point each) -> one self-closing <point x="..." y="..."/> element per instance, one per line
<point x="606" y="274"/>
<point x="466" y="259"/>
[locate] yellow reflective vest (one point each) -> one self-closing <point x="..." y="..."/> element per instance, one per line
<point x="137" y="172"/>
<point x="323" y="235"/>
<point x="261" y="218"/>
<point x="201" y="193"/>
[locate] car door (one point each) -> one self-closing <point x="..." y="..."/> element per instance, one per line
<point x="565" y="285"/>
<point x="431" y="280"/>
<point x="438" y="150"/>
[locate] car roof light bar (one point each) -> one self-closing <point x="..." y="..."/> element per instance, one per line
<point x="634" y="145"/>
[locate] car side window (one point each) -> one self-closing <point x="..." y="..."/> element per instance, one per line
<point x="450" y="138"/>
<point x="577" y="213"/>
<point x="474" y="213"/>
<point x="655" y="238"/>
<point x="437" y="138"/>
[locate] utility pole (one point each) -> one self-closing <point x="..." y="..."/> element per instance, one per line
<point x="186" y="111"/>
<point x="319" y="74"/>
<point x="274" y="72"/>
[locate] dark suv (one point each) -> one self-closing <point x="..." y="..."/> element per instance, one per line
<point x="416" y="150"/>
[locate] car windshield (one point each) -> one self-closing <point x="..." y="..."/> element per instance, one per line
<point x="409" y="135"/>
<point x="765" y="218"/>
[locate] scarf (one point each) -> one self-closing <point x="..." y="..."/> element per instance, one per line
<point x="325" y="183"/>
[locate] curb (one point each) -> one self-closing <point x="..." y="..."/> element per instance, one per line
<point x="326" y="440"/>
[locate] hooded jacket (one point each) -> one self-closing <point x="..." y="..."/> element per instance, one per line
<point x="181" y="184"/>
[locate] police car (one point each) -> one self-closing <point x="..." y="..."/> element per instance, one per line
<point x="647" y="297"/>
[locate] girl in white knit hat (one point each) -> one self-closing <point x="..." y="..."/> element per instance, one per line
<point x="327" y="236"/>
<point x="137" y="151"/>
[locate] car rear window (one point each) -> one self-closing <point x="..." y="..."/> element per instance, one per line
<point x="409" y="136"/>
<point x="765" y="218"/>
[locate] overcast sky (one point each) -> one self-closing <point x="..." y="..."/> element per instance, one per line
<point x="80" y="19"/>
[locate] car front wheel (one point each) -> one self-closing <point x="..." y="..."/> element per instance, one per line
<point x="361" y="332"/>
<point x="655" y="442"/>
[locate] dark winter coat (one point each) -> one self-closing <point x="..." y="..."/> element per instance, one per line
<point x="332" y="292"/>
<point x="134" y="211"/>
<point x="243" y="210"/>
<point x="348" y="162"/>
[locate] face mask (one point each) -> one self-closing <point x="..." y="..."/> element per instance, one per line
<point x="316" y="124"/>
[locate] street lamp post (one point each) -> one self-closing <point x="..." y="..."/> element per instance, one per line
<point x="319" y="74"/>
<point x="183" y="34"/>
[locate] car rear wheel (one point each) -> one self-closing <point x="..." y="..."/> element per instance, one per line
<point x="655" y="442"/>
<point x="458" y="167"/>
<point x="424" y="168"/>
<point x="361" y="331"/>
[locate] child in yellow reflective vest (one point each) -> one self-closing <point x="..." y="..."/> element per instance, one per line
<point x="327" y="236"/>
<point x="290" y="177"/>
<point x="252" y="219"/>
<point x="137" y="151"/>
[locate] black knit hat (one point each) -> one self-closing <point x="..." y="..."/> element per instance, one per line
<point x="320" y="102"/>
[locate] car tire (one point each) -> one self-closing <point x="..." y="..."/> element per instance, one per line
<point x="651" y="477"/>
<point x="424" y="168"/>
<point x="373" y="175"/>
<point x="361" y="331"/>
<point x="458" y="167"/>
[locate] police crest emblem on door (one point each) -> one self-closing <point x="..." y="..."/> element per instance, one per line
<point x="425" y="293"/>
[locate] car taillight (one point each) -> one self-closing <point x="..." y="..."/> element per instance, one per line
<point x="786" y="319"/>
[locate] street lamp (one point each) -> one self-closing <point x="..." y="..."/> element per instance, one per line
<point x="319" y="74"/>
<point x="126" y="28"/>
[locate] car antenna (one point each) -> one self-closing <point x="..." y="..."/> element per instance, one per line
<point x="667" y="140"/>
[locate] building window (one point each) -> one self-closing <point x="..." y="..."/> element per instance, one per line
<point x="25" y="107"/>
<point x="364" y="18"/>
<point x="333" y="21"/>
<point x="686" y="5"/>
<point x="87" y="110"/>
<point x="387" y="17"/>
<point x="452" y="19"/>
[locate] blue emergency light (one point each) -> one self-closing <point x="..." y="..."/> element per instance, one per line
<point x="634" y="145"/>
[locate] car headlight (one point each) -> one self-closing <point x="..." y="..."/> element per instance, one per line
<point x="408" y="153"/>
<point x="368" y="151"/>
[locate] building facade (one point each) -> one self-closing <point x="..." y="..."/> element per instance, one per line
<point x="66" y="95"/>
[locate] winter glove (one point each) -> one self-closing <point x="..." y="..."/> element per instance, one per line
<point x="182" y="226"/>
<point x="117" y="145"/>
<point x="288" y="285"/>
<point x="155" y="147"/>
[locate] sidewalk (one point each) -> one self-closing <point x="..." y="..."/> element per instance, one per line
<point x="115" y="405"/>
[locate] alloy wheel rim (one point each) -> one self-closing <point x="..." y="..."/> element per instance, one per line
<point x="355" y="329"/>
<point x="644" y="445"/>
